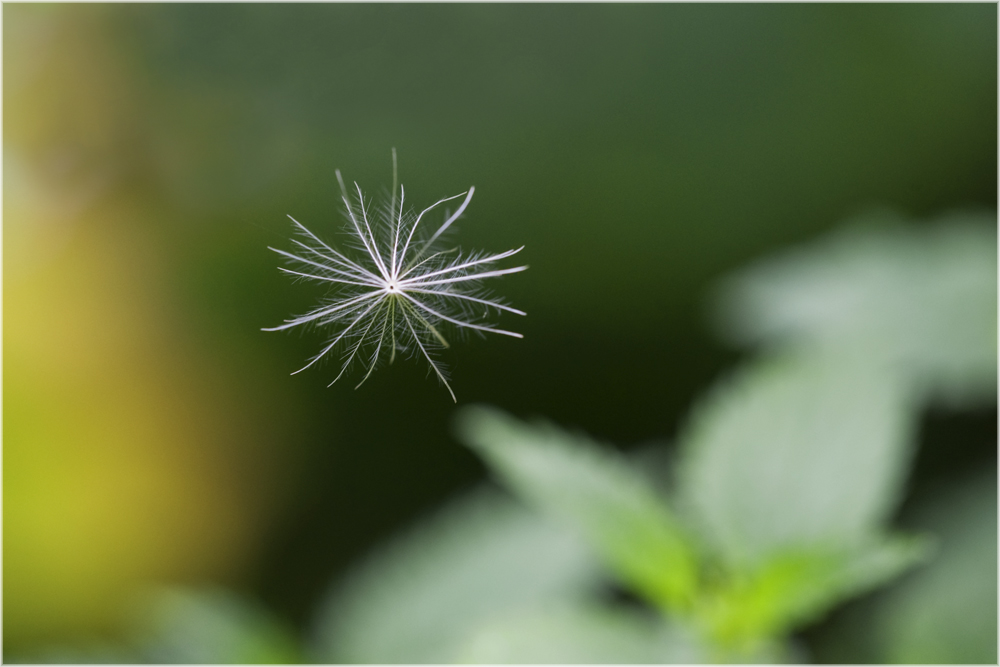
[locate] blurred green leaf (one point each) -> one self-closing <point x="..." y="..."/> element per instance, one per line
<point x="795" y="452"/>
<point x="799" y="586"/>
<point x="595" y="490"/>
<point x="947" y="611"/>
<point x="90" y="652"/>
<point x="588" y="634"/>
<point x="211" y="627"/>
<point x="418" y="599"/>
<point x="925" y="298"/>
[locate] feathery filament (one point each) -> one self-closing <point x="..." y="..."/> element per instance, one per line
<point x="399" y="290"/>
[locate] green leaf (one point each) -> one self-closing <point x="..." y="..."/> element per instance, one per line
<point x="419" y="598"/>
<point x="211" y="626"/>
<point x="797" y="587"/>
<point x="597" y="492"/>
<point x="588" y="634"/>
<point x="795" y="452"/>
<point x="922" y="298"/>
<point x="80" y="652"/>
<point x="947" y="612"/>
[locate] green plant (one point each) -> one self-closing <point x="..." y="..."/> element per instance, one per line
<point x="777" y="502"/>
<point x="786" y="476"/>
<point x="779" y="505"/>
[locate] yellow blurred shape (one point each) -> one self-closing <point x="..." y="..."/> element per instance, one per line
<point x="111" y="475"/>
<point x="118" y="452"/>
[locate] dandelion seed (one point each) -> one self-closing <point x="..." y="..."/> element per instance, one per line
<point x="399" y="290"/>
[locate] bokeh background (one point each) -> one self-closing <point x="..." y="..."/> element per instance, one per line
<point x="152" y="434"/>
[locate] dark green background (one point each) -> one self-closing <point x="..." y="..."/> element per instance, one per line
<point x="637" y="151"/>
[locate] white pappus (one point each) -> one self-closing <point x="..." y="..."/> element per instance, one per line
<point x="396" y="291"/>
